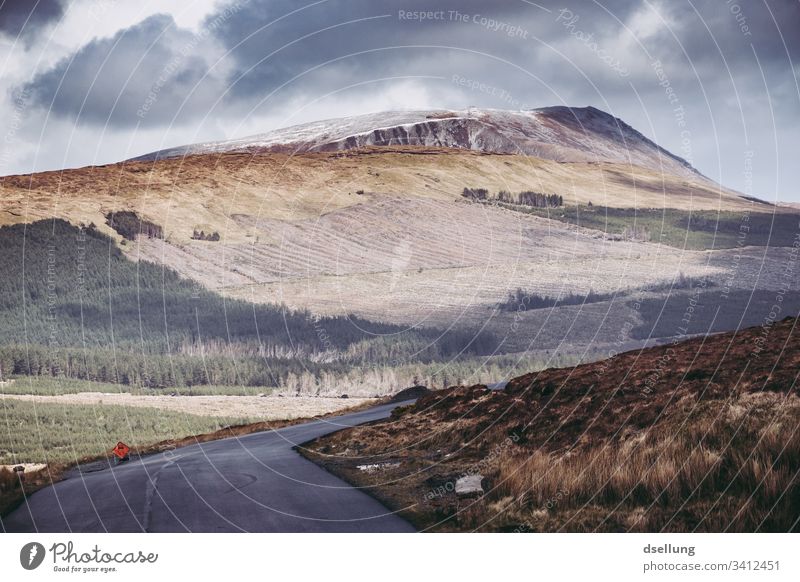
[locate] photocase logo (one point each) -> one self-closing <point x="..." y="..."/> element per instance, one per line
<point x="31" y="555"/>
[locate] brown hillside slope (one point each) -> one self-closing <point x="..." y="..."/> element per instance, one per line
<point x="207" y="190"/>
<point x="702" y="435"/>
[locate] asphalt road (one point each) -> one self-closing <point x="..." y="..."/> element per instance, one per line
<point x="255" y="483"/>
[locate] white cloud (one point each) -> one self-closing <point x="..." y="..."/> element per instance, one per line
<point x="650" y="19"/>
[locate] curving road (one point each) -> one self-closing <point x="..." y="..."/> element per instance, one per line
<point x="255" y="483"/>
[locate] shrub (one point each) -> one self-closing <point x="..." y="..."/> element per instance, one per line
<point x="128" y="224"/>
<point x="201" y="235"/>
<point x="475" y="193"/>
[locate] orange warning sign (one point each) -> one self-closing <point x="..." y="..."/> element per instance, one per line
<point x="121" y="450"/>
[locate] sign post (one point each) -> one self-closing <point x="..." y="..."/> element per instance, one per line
<point x="121" y="452"/>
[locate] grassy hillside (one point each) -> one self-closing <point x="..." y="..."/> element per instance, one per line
<point x="72" y="304"/>
<point x="695" y="436"/>
<point x="205" y="192"/>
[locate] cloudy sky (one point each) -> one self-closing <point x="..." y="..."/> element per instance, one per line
<point x="96" y="81"/>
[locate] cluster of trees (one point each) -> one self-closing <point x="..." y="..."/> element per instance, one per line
<point x="129" y="367"/>
<point x="380" y="380"/>
<point x="129" y="224"/>
<point x="537" y="199"/>
<point x="475" y="193"/>
<point x="70" y="294"/>
<point x="523" y="300"/>
<point x="525" y="198"/>
<point x="200" y="235"/>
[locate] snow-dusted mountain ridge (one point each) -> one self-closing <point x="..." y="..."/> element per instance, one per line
<point x="563" y="134"/>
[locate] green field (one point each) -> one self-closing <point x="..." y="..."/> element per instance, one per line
<point x="49" y="386"/>
<point x="692" y="230"/>
<point x="53" y="433"/>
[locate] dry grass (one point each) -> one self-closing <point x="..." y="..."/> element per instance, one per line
<point x="733" y="468"/>
<point x="206" y="191"/>
<point x="729" y="467"/>
<point x="264" y="408"/>
<point x="714" y="446"/>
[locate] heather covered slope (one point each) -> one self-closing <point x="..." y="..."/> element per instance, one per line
<point x="702" y="435"/>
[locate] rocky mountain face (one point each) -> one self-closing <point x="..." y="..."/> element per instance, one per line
<point x="562" y="134"/>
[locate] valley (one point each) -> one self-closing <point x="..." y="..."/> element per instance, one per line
<point x="322" y="268"/>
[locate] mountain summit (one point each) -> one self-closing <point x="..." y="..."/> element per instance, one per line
<point x="562" y="134"/>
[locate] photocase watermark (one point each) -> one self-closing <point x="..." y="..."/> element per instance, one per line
<point x="678" y="110"/>
<point x="51" y="300"/>
<point x="322" y="334"/>
<point x="501" y="94"/>
<point x="65" y="558"/>
<point x="422" y="15"/>
<point x="99" y="8"/>
<point x="31" y="555"/>
<point x="80" y="259"/>
<point x="20" y="100"/>
<point x="547" y="506"/>
<point x="788" y="278"/>
<point x="692" y="305"/>
<point x="664" y="362"/>
<point x="744" y="225"/>
<point x="569" y="21"/>
<point x="490" y="24"/>
<point x="741" y="20"/>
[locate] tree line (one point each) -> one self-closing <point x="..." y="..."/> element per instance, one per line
<point x="524" y="198"/>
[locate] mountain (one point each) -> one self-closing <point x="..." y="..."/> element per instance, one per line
<point x="561" y="134"/>
<point x="584" y="155"/>
<point x="347" y="218"/>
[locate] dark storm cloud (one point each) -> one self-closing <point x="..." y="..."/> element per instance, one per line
<point x="545" y="52"/>
<point x="331" y="44"/>
<point x="731" y="44"/>
<point x="710" y="27"/>
<point x="146" y="74"/>
<point x="271" y="43"/>
<point x="24" y="18"/>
